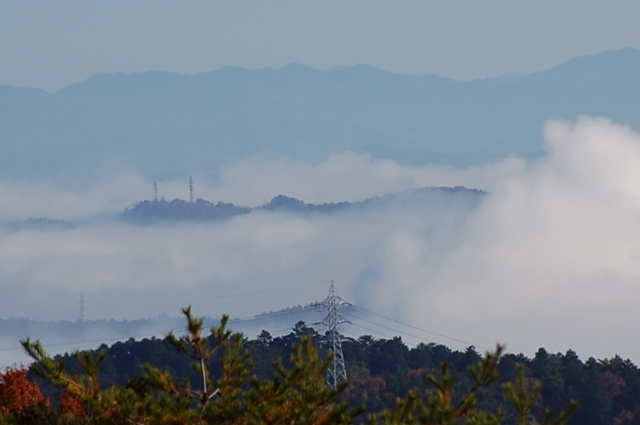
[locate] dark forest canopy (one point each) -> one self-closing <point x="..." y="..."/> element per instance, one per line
<point x="382" y="370"/>
<point x="178" y="209"/>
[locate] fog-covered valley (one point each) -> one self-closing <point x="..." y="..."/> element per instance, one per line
<point x="546" y="257"/>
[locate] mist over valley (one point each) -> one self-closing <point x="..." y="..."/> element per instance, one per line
<point x="498" y="210"/>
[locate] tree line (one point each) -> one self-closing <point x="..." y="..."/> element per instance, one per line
<point x="226" y="378"/>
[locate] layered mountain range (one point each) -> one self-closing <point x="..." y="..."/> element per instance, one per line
<point x="165" y="124"/>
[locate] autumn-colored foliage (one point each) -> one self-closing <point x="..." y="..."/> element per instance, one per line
<point x="376" y="383"/>
<point x="70" y="404"/>
<point x="17" y="392"/>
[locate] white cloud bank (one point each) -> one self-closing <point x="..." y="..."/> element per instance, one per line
<point x="550" y="258"/>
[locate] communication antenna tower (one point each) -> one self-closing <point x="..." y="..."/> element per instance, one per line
<point x="337" y="372"/>
<point x="190" y="189"/>
<point x="81" y="307"/>
<point x="155" y="191"/>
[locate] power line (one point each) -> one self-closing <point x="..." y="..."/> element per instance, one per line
<point x="415" y="327"/>
<point x="303" y="283"/>
<point x="264" y="316"/>
<point x="332" y="301"/>
<point x="396" y="331"/>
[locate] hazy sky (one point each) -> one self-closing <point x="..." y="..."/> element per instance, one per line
<point x="52" y="44"/>
<point x="550" y="258"/>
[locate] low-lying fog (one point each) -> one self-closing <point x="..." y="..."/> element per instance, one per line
<point x="550" y="256"/>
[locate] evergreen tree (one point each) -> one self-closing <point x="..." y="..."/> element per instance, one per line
<point x="222" y="387"/>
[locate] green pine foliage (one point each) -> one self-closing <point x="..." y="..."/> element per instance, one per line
<point x="215" y="376"/>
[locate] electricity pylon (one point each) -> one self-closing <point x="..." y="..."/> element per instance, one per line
<point x="337" y="372"/>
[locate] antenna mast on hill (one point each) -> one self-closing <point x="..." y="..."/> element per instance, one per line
<point x="337" y="372"/>
<point x="190" y="189"/>
<point x="81" y="306"/>
<point x="155" y="191"/>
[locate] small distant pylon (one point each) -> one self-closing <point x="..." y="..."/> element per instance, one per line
<point x="155" y="191"/>
<point x="337" y="372"/>
<point x="81" y="307"/>
<point x="190" y="189"/>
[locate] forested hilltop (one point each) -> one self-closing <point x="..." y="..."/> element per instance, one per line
<point x="202" y="210"/>
<point x="382" y="370"/>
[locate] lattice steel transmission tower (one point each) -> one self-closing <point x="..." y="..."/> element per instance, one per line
<point x="190" y="189"/>
<point x="337" y="372"/>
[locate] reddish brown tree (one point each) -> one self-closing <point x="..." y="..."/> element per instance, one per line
<point x="69" y="404"/>
<point x="17" y="392"/>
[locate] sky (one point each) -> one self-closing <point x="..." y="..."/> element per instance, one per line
<point x="53" y="44"/>
<point x="549" y="258"/>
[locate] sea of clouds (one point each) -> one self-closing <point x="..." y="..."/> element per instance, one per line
<point x="550" y="257"/>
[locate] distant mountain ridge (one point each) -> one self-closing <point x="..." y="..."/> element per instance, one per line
<point x="165" y="124"/>
<point x="202" y="210"/>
